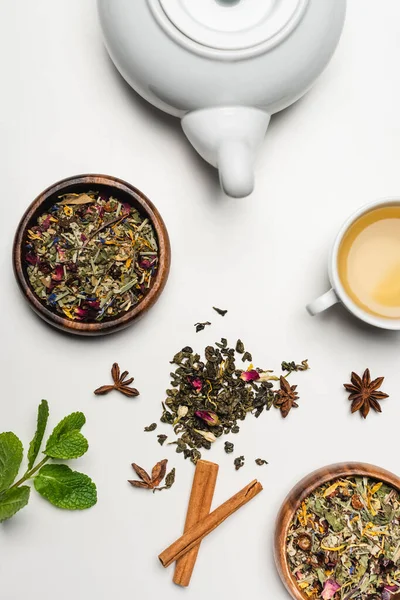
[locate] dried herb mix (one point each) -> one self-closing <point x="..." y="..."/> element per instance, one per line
<point x="344" y="541"/>
<point x="208" y="397"/>
<point x="91" y="257"/>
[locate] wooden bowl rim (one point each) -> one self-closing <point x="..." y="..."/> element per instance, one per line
<point x="303" y="489"/>
<point x="157" y="287"/>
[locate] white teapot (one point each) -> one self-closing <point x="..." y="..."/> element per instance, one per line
<point x="222" y="66"/>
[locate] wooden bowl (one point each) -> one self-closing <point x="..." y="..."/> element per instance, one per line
<point x="303" y="489"/>
<point x="125" y="192"/>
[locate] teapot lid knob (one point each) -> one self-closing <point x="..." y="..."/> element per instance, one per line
<point x="233" y="24"/>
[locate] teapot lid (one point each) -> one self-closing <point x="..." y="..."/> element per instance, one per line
<point x="234" y="24"/>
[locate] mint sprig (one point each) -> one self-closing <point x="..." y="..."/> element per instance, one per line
<point x="57" y="483"/>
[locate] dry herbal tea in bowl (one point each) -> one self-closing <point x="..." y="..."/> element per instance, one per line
<point x="91" y="257"/>
<point x="344" y="541"/>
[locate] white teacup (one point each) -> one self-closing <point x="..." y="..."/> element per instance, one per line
<point x="337" y="292"/>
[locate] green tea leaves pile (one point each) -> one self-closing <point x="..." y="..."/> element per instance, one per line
<point x="91" y="257"/>
<point x="61" y="486"/>
<point x="209" y="397"/>
<point x="344" y="541"/>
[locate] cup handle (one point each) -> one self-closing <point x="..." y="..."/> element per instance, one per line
<point x="322" y="303"/>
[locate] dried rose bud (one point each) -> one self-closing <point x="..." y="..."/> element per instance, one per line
<point x="208" y="417"/>
<point x="252" y="375"/>
<point x="207" y="435"/>
<point x="356" y="502"/>
<point x="304" y="542"/>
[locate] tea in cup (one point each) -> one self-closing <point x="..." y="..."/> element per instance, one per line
<point x="364" y="267"/>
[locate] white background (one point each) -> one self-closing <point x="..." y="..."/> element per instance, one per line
<point x="65" y="110"/>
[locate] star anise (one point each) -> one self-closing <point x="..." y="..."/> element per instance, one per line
<point x="364" y="393"/>
<point x="121" y="383"/>
<point x="285" y="397"/>
<point x="157" y="475"/>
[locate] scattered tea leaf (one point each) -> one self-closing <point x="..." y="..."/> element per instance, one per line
<point x="169" y="481"/>
<point x="229" y="447"/>
<point x="162" y="438"/>
<point x="239" y="462"/>
<point x="260" y="462"/>
<point x="247" y="357"/>
<point x="201" y="326"/>
<point x="239" y="347"/>
<point x="151" y="427"/>
<point x="291" y="367"/>
<point x="220" y="311"/>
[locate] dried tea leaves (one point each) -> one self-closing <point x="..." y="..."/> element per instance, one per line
<point x="161" y="438"/>
<point x="91" y="257"/>
<point x="121" y="383"/>
<point x="201" y="326"/>
<point x="220" y="311"/>
<point x="208" y="397"/>
<point x="260" y="462"/>
<point x="239" y="462"/>
<point x="151" y="427"/>
<point x="169" y="481"/>
<point x="364" y="393"/>
<point x="229" y="447"/>
<point x="157" y="475"/>
<point x="344" y="541"/>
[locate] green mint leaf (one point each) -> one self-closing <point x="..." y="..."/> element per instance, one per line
<point x="11" y="452"/>
<point x="11" y="501"/>
<point x="65" y="488"/>
<point x="43" y="415"/>
<point x="73" y="422"/>
<point x="70" y="445"/>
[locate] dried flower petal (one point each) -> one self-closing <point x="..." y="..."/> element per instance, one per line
<point x="251" y="375"/>
<point x="330" y="589"/>
<point x="207" y="435"/>
<point x="196" y="383"/>
<point x="182" y="411"/>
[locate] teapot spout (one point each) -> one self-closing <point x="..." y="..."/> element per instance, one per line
<point x="228" y="138"/>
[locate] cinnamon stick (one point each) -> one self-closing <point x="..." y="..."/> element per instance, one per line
<point x="201" y="496"/>
<point x="195" y="534"/>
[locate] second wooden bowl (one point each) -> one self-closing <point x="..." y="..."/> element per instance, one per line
<point x="303" y="489"/>
<point x="127" y="193"/>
